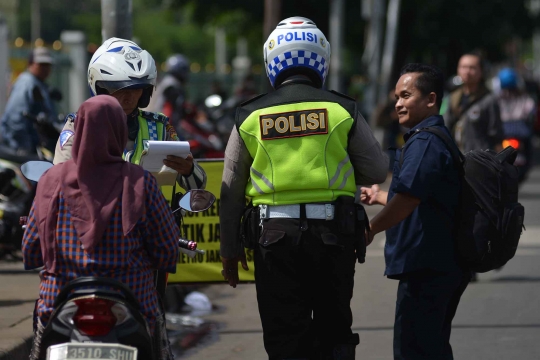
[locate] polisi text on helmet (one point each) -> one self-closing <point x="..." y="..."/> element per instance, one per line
<point x="296" y="46"/>
<point x="297" y="36"/>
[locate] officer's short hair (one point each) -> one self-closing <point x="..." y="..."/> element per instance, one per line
<point x="431" y="79"/>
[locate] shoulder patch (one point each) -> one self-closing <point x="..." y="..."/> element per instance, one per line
<point x="64" y="137"/>
<point x="155" y="116"/>
<point x="252" y="99"/>
<point x="172" y="132"/>
<point x="342" y="95"/>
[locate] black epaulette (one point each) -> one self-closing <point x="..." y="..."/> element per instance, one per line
<point x="155" y="116"/>
<point x="252" y="99"/>
<point x="342" y="95"/>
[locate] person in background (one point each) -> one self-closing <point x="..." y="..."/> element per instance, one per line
<point x="171" y="90"/>
<point x="29" y="102"/>
<point x="83" y="224"/>
<point x="518" y="115"/>
<point x="473" y="115"/>
<point x="418" y="217"/>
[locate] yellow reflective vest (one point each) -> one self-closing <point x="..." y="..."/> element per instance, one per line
<point x="151" y="127"/>
<point x="299" y="152"/>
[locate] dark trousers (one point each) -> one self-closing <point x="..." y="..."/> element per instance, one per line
<point x="426" y="304"/>
<point x="304" y="281"/>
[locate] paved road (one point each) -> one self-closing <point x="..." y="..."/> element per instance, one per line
<point x="17" y="298"/>
<point x="498" y="318"/>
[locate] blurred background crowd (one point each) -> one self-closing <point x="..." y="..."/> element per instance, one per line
<point x="211" y="51"/>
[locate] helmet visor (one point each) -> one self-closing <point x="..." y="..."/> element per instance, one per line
<point x="114" y="86"/>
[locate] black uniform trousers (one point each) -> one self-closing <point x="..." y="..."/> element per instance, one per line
<point x="304" y="272"/>
<point x="427" y="301"/>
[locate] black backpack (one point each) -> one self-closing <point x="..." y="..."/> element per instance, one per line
<point x="489" y="219"/>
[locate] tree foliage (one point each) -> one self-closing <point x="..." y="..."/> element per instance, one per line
<point x="439" y="31"/>
<point x="435" y="31"/>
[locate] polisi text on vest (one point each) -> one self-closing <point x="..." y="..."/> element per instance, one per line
<point x="294" y="124"/>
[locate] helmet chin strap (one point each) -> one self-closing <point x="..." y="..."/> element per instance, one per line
<point x="133" y="124"/>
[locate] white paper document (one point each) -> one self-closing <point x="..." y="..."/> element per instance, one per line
<point x="156" y="151"/>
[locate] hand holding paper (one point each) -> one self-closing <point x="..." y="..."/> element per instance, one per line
<point x="156" y="151"/>
<point x="182" y="166"/>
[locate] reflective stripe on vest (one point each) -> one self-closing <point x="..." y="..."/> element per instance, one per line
<point x="263" y="179"/>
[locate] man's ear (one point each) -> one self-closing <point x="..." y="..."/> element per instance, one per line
<point x="432" y="99"/>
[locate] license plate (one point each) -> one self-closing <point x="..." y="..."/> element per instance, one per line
<point x="91" y="351"/>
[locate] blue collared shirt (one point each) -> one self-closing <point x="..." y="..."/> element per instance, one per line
<point x="424" y="240"/>
<point x="28" y="95"/>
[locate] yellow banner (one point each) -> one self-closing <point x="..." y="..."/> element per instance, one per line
<point x="203" y="227"/>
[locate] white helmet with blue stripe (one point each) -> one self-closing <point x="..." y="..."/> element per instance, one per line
<point x="121" y="64"/>
<point x="296" y="46"/>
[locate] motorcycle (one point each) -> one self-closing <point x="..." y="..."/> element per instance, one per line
<point x="99" y="318"/>
<point x="48" y="135"/>
<point x="222" y="113"/>
<point x="518" y="134"/>
<point x="16" y="195"/>
<point x="201" y="134"/>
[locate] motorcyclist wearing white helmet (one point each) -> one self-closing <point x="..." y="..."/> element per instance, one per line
<point x="122" y="69"/>
<point x="299" y="154"/>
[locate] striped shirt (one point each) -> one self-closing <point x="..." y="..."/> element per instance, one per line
<point x="152" y="244"/>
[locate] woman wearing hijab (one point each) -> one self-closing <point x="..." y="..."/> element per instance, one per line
<point x="97" y="215"/>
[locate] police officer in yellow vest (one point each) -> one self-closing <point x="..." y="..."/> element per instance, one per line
<point x="299" y="153"/>
<point x="122" y="69"/>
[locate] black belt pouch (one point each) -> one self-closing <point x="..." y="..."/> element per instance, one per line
<point x="345" y="215"/>
<point x="362" y="222"/>
<point x="249" y="228"/>
<point x="351" y="219"/>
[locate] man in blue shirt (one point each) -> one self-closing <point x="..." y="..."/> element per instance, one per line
<point x="29" y="100"/>
<point x="419" y="218"/>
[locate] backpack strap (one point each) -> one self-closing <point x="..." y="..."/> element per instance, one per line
<point x="457" y="156"/>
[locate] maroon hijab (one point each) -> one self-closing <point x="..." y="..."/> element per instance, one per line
<point x="92" y="181"/>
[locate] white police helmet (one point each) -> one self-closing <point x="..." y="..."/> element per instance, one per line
<point x="121" y="64"/>
<point x="297" y="46"/>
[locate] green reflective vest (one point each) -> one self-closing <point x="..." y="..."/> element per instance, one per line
<point x="299" y="153"/>
<point x="151" y="127"/>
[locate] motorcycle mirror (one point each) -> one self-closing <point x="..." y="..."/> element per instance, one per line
<point x="213" y="101"/>
<point x="197" y="200"/>
<point x="32" y="170"/>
